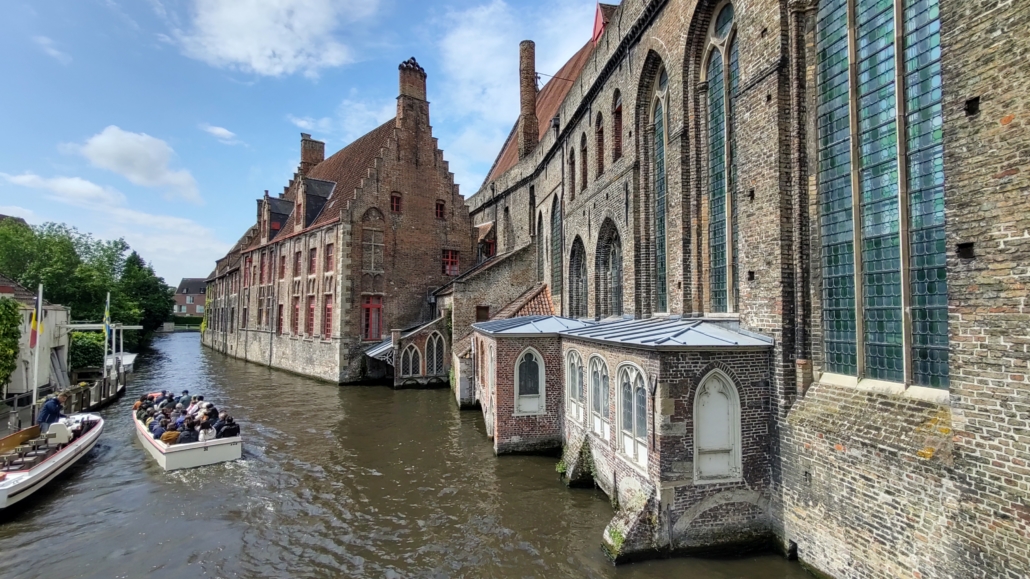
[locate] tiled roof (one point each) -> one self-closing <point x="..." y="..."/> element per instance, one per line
<point x="192" y="285"/>
<point x="16" y="291"/>
<point x="12" y="218"/>
<point x="548" y="100"/>
<point x="673" y="332"/>
<point x="536" y="301"/>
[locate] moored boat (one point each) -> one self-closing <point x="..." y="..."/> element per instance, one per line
<point x="189" y="455"/>
<point x="29" y="460"/>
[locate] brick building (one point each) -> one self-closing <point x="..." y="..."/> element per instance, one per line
<point x="837" y="189"/>
<point x="190" y="297"/>
<point x="352" y="248"/>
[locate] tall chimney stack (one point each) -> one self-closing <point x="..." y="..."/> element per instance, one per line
<point x="312" y="152"/>
<point x="413" y="79"/>
<point x="529" y="127"/>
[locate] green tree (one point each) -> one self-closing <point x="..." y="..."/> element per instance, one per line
<point x="10" y="338"/>
<point x="151" y="298"/>
<point x="86" y="350"/>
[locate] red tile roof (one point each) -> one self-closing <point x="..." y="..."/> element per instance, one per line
<point x="547" y="102"/>
<point x="536" y="301"/>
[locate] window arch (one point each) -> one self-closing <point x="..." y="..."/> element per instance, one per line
<point x="600" y="411"/>
<point x="722" y="75"/>
<point x="529" y="383"/>
<point x="633" y="413"/>
<point x="572" y="173"/>
<point x="556" y="247"/>
<point x="434" y="355"/>
<point x="411" y="361"/>
<point x="616" y="126"/>
<point x="599" y="145"/>
<point x="583" y="161"/>
<point x="608" y="270"/>
<point x="883" y="245"/>
<point x="574" y="385"/>
<point x="578" y="280"/>
<point x="717" y="430"/>
<point x="658" y="120"/>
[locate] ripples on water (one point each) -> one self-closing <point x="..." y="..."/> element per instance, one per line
<point x="335" y="482"/>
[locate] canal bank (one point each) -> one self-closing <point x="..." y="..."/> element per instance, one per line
<point x="335" y="481"/>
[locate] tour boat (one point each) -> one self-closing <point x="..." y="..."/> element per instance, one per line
<point x="28" y="460"/>
<point x="190" y="455"/>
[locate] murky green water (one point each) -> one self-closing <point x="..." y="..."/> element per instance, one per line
<point x="336" y="482"/>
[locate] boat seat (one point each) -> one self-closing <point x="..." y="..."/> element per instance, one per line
<point x="31" y="461"/>
<point x="22" y="449"/>
<point x="61" y="433"/>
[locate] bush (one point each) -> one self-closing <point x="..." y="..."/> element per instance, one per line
<point x="188" y="320"/>
<point x="10" y="338"/>
<point x="86" y="350"/>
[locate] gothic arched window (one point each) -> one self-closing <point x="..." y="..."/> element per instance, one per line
<point x="578" y="280"/>
<point x="572" y="174"/>
<point x="883" y="245"/>
<point x="617" y="126"/>
<point x="608" y="265"/>
<point x="529" y="383"/>
<point x="633" y="415"/>
<point x="599" y="137"/>
<point x="556" y="248"/>
<point x="411" y="362"/>
<point x="540" y="247"/>
<point x="583" y="161"/>
<point x="658" y="117"/>
<point x="716" y="430"/>
<point x="722" y="75"/>
<point x="599" y="392"/>
<point x="574" y="380"/>
<point x="434" y="355"/>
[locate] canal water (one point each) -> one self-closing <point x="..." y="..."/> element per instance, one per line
<point x="355" y="481"/>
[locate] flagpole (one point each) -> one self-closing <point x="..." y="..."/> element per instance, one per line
<point x="39" y="340"/>
<point x="107" y="310"/>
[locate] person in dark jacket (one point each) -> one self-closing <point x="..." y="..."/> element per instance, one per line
<point x="220" y="423"/>
<point x="160" y="430"/>
<point x="51" y="412"/>
<point x="185" y="399"/>
<point x="230" y="429"/>
<point x="189" y="432"/>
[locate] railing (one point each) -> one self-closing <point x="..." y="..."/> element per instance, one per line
<point x="17" y="412"/>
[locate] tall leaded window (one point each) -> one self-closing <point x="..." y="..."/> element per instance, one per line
<point x="661" y="281"/>
<point x="722" y="75"/>
<point x="540" y="247"/>
<point x="529" y="383"/>
<point x="411" y="363"/>
<point x="599" y="392"/>
<point x="616" y="126"/>
<point x="633" y="414"/>
<point x="574" y="381"/>
<point x="556" y="250"/>
<point x="434" y="355"/>
<point x="572" y="174"/>
<point x="895" y="218"/>
<point x="599" y="145"/>
<point x="583" y="162"/>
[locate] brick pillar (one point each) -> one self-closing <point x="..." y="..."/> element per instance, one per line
<point x="529" y="127"/>
<point x="412" y="79"/>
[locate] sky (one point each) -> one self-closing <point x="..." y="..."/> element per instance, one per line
<point x="161" y="121"/>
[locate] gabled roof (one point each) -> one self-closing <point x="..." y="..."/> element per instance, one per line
<point x="16" y="291"/>
<point x="548" y="100"/>
<point x="530" y="326"/>
<point x="480" y="267"/>
<point x="670" y="333"/>
<point x="192" y="285"/>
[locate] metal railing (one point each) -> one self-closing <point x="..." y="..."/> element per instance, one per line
<point x="17" y="412"/>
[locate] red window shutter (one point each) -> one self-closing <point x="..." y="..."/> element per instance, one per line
<point x="327" y="317"/>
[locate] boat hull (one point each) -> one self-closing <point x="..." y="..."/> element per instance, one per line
<point x="21" y="485"/>
<point x="192" y="455"/>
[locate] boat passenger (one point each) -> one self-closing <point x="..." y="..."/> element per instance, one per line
<point x="170" y="436"/>
<point x="230" y="429"/>
<point x="220" y="422"/>
<point x="211" y="410"/>
<point x="160" y="429"/>
<point x="185" y="399"/>
<point x="189" y="433"/>
<point x="206" y="432"/>
<point x="149" y="417"/>
<point x="182" y="418"/>
<point x="141" y="414"/>
<point x="192" y="406"/>
<point x="198" y="407"/>
<point x="139" y="402"/>
<point x="51" y="412"/>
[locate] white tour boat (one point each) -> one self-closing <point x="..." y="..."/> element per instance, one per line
<point x="28" y="461"/>
<point x="190" y="455"/>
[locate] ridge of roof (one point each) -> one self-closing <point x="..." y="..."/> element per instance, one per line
<point x="548" y="101"/>
<point x="515" y="307"/>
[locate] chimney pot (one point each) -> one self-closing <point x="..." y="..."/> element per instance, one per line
<point x="412" y="79"/>
<point x="312" y="152"/>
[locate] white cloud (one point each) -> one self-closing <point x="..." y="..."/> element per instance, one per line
<point x="174" y="245"/>
<point x="47" y="45"/>
<point x="479" y="91"/>
<point x="15" y="211"/>
<point x="270" y="37"/>
<point x="71" y="190"/>
<point x="221" y="133"/>
<point x="352" y="119"/>
<point x="140" y="158"/>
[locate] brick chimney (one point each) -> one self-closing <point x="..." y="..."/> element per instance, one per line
<point x="413" y="79"/>
<point x="529" y="127"/>
<point x="312" y="152"/>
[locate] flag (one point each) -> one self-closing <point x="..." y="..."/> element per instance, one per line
<point x="37" y="329"/>
<point x="107" y="317"/>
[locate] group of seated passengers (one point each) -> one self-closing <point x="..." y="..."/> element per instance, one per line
<point x="183" y="420"/>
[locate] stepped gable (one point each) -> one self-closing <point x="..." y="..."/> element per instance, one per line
<point x="346" y="168"/>
<point x="548" y="100"/>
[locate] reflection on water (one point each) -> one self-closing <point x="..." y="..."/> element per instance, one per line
<point x="335" y="482"/>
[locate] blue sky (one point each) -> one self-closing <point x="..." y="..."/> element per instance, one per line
<point x="162" y="121"/>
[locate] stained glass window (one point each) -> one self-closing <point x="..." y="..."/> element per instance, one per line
<point x="877" y="166"/>
<point x="723" y="84"/>
<point x="659" y="208"/>
<point x="556" y="250"/>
